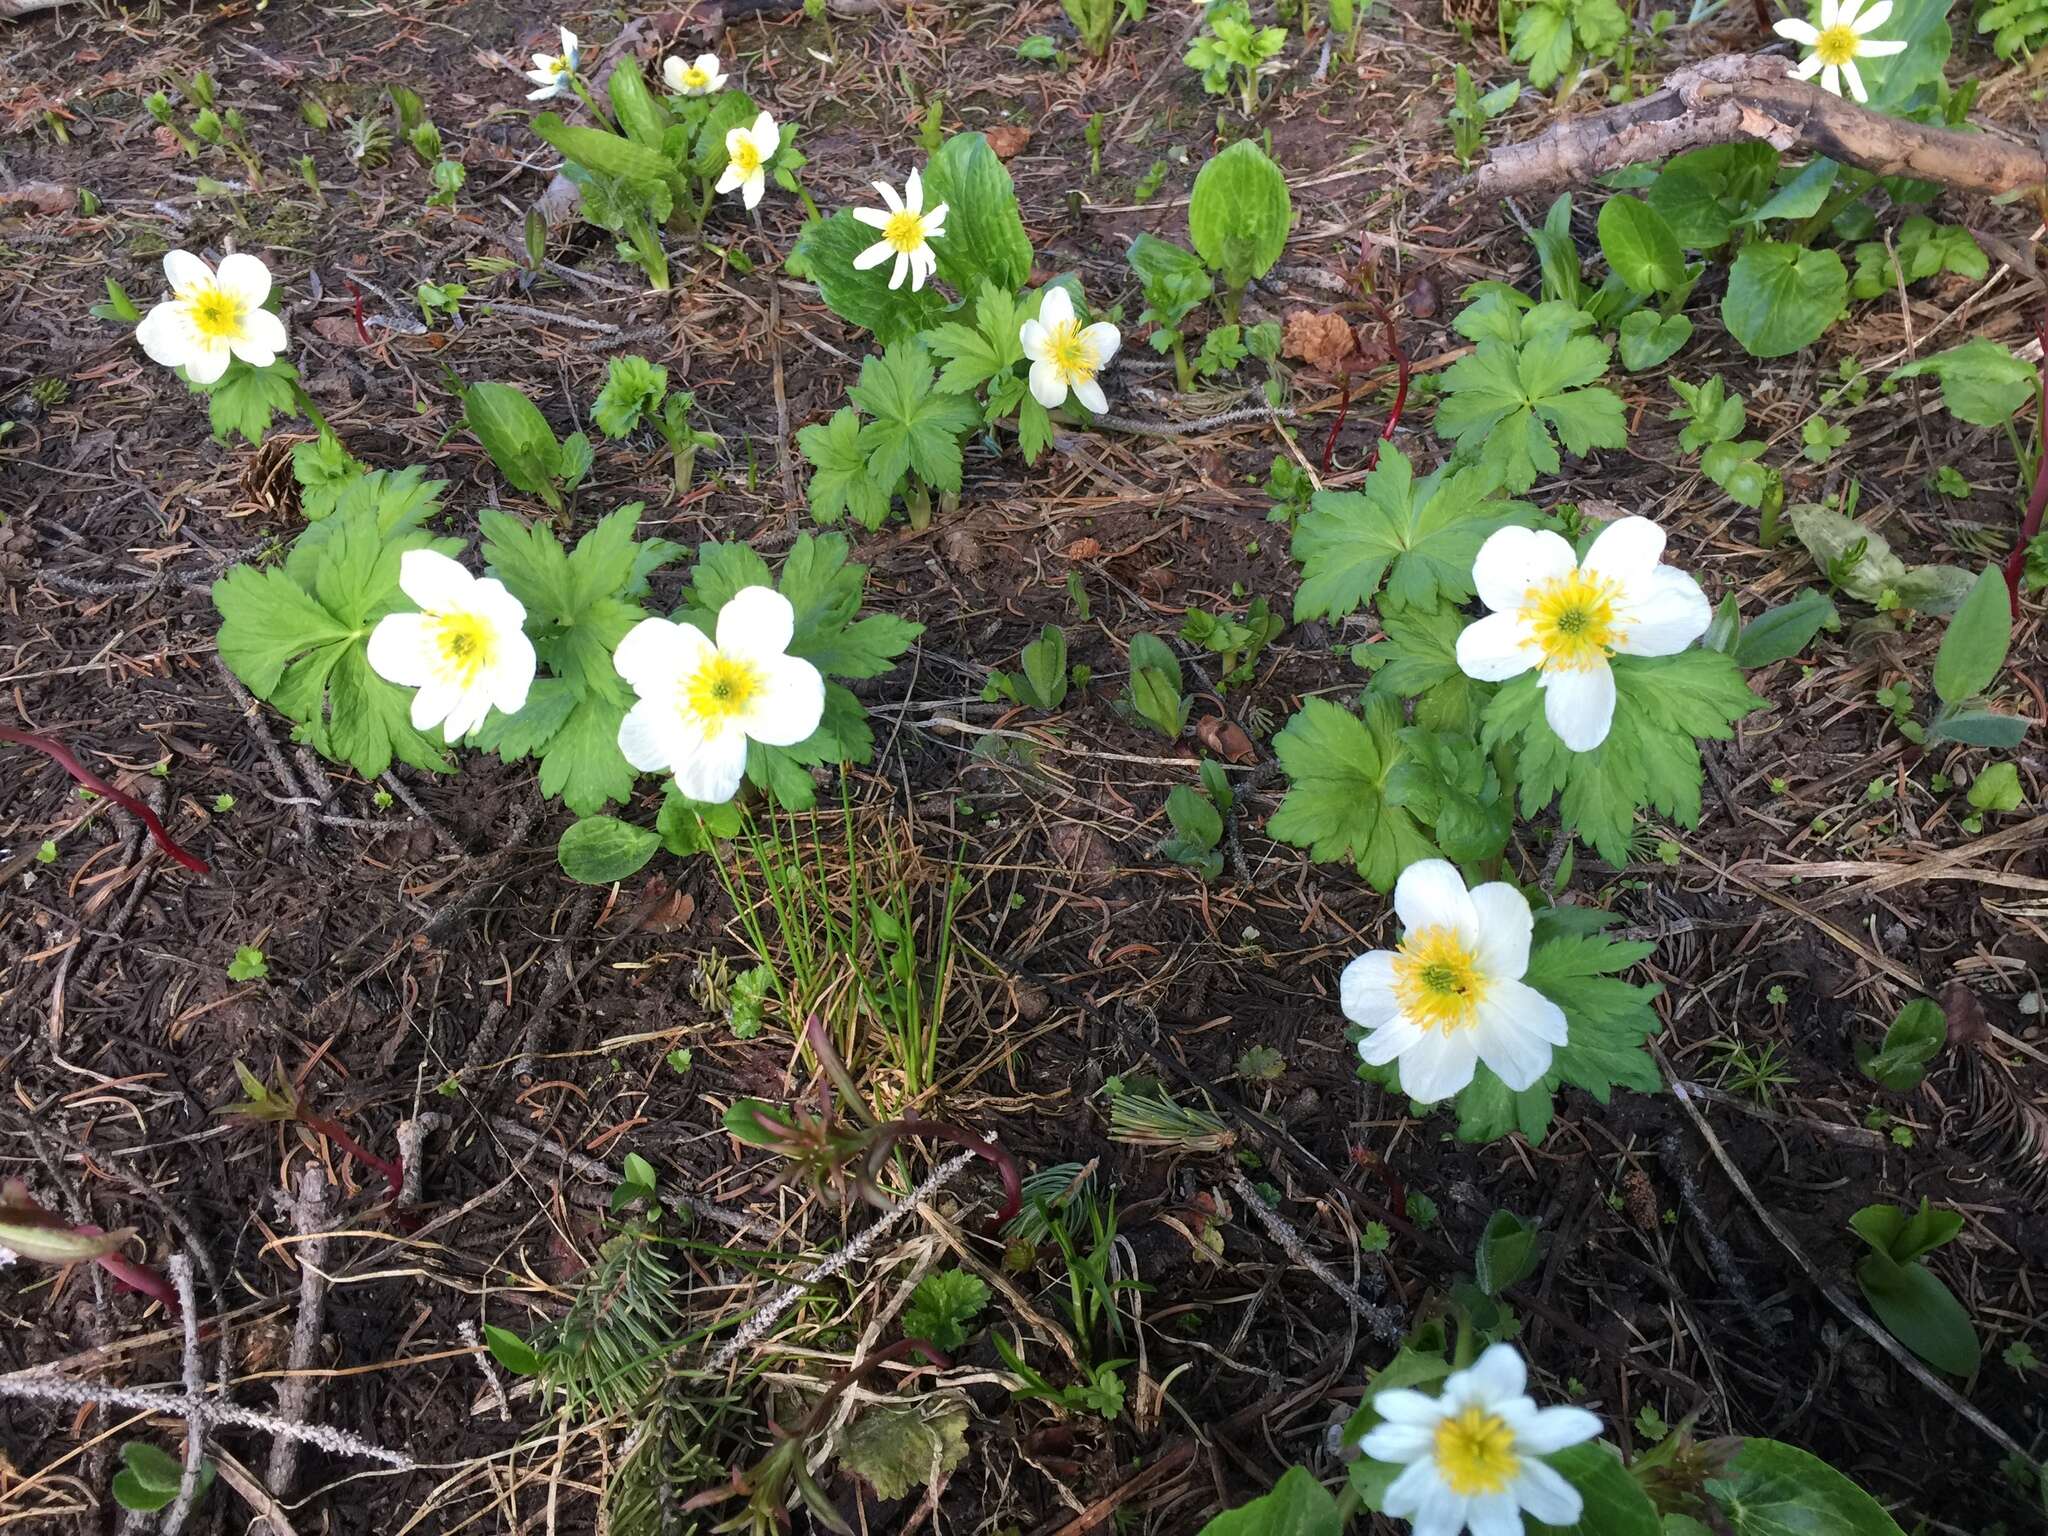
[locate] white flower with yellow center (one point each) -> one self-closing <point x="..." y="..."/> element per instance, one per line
<point x="747" y="154"/>
<point x="700" y="77"/>
<point x="907" y="232"/>
<point x="1839" y="41"/>
<point x="1552" y="613"/>
<point x="551" y="71"/>
<point x="702" y="699"/>
<point x="1452" y="994"/>
<point x="1472" y="1455"/>
<point x="1066" y="355"/>
<point x="466" y="650"/>
<point x="211" y="317"/>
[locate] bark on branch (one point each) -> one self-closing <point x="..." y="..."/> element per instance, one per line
<point x="1738" y="97"/>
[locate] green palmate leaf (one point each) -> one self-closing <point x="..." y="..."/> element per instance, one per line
<point x="1419" y="536"/>
<point x="1782" y="296"/>
<point x="944" y="1303"/>
<point x="901" y="1447"/>
<point x="1649" y="759"/>
<point x="1503" y="402"/>
<point x="1780" y="633"/>
<point x="1640" y="247"/>
<point x="984" y="241"/>
<point x="1338" y="766"/>
<point x="1648" y="339"/>
<point x="1978" y="637"/>
<point x="1173" y="280"/>
<point x="1418" y="660"/>
<point x="246" y="400"/>
<point x="1981" y="382"/>
<point x="581" y="762"/>
<point x="1774" y="1489"/>
<point x="601" y="849"/>
<point x="268" y="621"/>
<point x="1239" y="213"/>
<point x="324" y="469"/>
<point x="912" y="425"/>
<point x="633" y="392"/>
<point x="1297" y="1506"/>
<point x="826" y="249"/>
<point x="840" y="483"/>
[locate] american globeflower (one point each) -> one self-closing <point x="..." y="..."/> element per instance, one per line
<point x="1471" y="1456"/>
<point x="212" y="316"/>
<point x="1566" y="619"/>
<point x="1452" y="995"/>
<point x="1066" y="355"/>
<point x="703" y="698"/>
<point x="747" y="153"/>
<point x="700" y="77"/>
<point x="1839" y="41"/>
<point x="466" y="650"/>
<point x="551" y="71"/>
<point x="907" y="233"/>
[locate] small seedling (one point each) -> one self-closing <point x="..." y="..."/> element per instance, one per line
<point x="249" y="964"/>
<point x="280" y="1103"/>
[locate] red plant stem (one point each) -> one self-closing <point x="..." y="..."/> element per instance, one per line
<point x="1401" y="382"/>
<point x="1343" y="410"/>
<point x="362" y="329"/>
<point x="392" y="1169"/>
<point x="60" y="754"/>
<point x="139" y="1278"/>
<point x="2030" y="525"/>
<point x="939" y="1130"/>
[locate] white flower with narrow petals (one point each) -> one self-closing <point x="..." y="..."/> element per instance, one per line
<point x="1472" y="1455"/>
<point x="1567" y="619"/>
<point x="466" y="650"/>
<point x="1066" y="355"/>
<point x="700" y="77"/>
<point x="211" y="317"/>
<point x="703" y="699"/>
<point x="907" y="232"/>
<point x="1452" y="994"/>
<point x="551" y="71"/>
<point x="747" y="153"/>
<point x="1839" y="41"/>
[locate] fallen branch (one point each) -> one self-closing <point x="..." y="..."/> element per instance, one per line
<point x="1383" y="1322"/>
<point x="1737" y="98"/>
<point x="312" y="1213"/>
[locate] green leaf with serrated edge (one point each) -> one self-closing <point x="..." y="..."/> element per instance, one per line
<point x="633" y="392"/>
<point x="324" y="469"/>
<point x="688" y="826"/>
<point x="1420" y="536"/>
<point x="840" y="483"/>
<point x="1662" y="705"/>
<point x="944" y="1303"/>
<point x="1774" y="1489"/>
<point x="1337" y="766"/>
<point x="1780" y="633"/>
<point x="645" y="120"/>
<point x="582" y="764"/>
<point x="1781" y="296"/>
<point x="1977" y="640"/>
<point x="985" y="240"/>
<point x="1507" y="400"/>
<point x="1418" y="659"/>
<point x="1297" y="1506"/>
<point x="826" y="249"/>
<point x="246" y="400"/>
<point x="899" y="1447"/>
<point x="513" y="737"/>
<point x="721" y="570"/>
<point x="599" y="850"/>
<point x="1239" y="213"/>
<point x="911" y="425"/>
<point x="267" y="622"/>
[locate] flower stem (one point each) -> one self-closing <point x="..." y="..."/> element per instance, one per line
<point x="323" y="1125"/>
<point x="60" y="754"/>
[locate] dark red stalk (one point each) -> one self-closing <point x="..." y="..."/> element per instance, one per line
<point x="139" y="1278"/>
<point x="2030" y="525"/>
<point x="60" y="754"/>
<point x="939" y="1130"/>
<point x="1343" y="410"/>
<point x="362" y="329"/>
<point x="392" y="1169"/>
<point x="1401" y="382"/>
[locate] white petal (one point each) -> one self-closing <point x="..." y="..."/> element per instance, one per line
<point x="261" y="340"/>
<point x="1855" y="78"/>
<point x="166" y="333"/>
<point x="1389" y="1042"/>
<point x="466" y="711"/>
<point x="1404" y="1405"/>
<point x="1538" y="1014"/>
<point x="547" y="92"/>
<point x="1546" y="1495"/>
<point x="1055" y="310"/>
<point x="757" y="623"/>
<point x="1555" y="1428"/>
<point x="1431" y="894"/>
<point x="1398" y="1442"/>
<point x="874" y="255"/>
<point x="1830" y="12"/>
<point x="1090" y="394"/>
<point x="435" y="582"/>
<point x="751" y="190"/>
<point x="1831" y="80"/>
<point x="1512" y="560"/>
<point x="401" y="649"/>
<point x="874" y="218"/>
<point x="890" y="200"/>
<point x="1498" y="1372"/>
<point x="511" y="679"/>
<point x="1873" y="48"/>
<point x="1626" y="551"/>
<point x="1663" y="615"/>
<point x="246" y="278"/>
<point x="1797" y="31"/>
<point x="920" y="268"/>
<point x="1505" y="923"/>
<point x="185" y="272"/>
<point x="1441" y="1511"/>
<point x="728" y="178"/>
<point x="653" y="736"/>
<point x="766" y="136"/>
<point x="935" y="221"/>
<point x="433" y="704"/>
<point x="1808" y="67"/>
<point x="1408" y="1492"/>
<point x="790" y="704"/>
<point x="1497" y="648"/>
<point x="715" y="771"/>
<point x="1505" y="1040"/>
<point x="1032" y="337"/>
<point x="1873" y="18"/>
<point x="571" y="48"/>
<point x="1048" y="388"/>
<point x="708" y="62"/>
<point x="1438" y="1066"/>
<point x="1102" y="339"/>
<point x="672" y="72"/>
<point x="1494" y="1514"/>
<point x="1365" y="992"/>
<point x="1578" y="703"/>
<point x="207" y="360"/>
<point x="899" y="272"/>
<point x="656" y="655"/>
<point x="913" y="191"/>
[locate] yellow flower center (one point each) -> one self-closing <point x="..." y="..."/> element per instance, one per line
<point x="1070" y="353"/>
<point x="1437" y="980"/>
<point x="558" y="67"/>
<point x="695" y="78"/>
<point x="1836" y="46"/>
<point x="1475" y="1453"/>
<point x="721" y="691"/>
<point x="1572" y="619"/>
<point x="747" y="156"/>
<point x="465" y="644"/>
<point x="904" y="232"/>
<point x="216" y="314"/>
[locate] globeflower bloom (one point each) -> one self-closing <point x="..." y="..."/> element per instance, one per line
<point x="211" y="317"/>
<point x="748" y="151"/>
<point x="1066" y="356"/>
<point x="1839" y="41"/>
<point x="551" y="72"/>
<point x="466" y="650"/>
<point x="700" y="77"/>
<point x="907" y="233"/>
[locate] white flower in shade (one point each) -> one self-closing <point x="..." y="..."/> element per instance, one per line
<point x="1471" y="1456"/>
<point x="907" y="232"/>
<point x="466" y="650"/>
<point x="1838" y="42"/>
<point x="700" y="77"/>
<point x="747" y="153"/>
<point x="551" y="71"/>
<point x="702" y="700"/>
<point x="1452" y="995"/>
<point x="1552" y="613"/>
<point x="1066" y="355"/>
<point x="212" y="316"/>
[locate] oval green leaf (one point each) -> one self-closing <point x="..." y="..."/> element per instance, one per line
<point x="511" y="1351"/>
<point x="1978" y="637"/>
<point x="1615" y="1502"/>
<point x="1781" y="297"/>
<point x="1239" y="214"/>
<point x="1647" y="340"/>
<point x="1780" y="1490"/>
<point x="984" y="240"/>
<point x="1640" y="246"/>
<point x="1297" y="1506"/>
<point x="601" y="849"/>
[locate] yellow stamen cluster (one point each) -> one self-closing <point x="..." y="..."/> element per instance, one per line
<point x="904" y="232"/>
<point x="720" y="691"/>
<point x="1836" y="46"/>
<point x="463" y="642"/>
<point x="1071" y="354"/>
<point x="1571" y="618"/>
<point x="1437" y="980"/>
<point x="747" y="156"/>
<point x="216" y="313"/>
<point x="1475" y="1453"/>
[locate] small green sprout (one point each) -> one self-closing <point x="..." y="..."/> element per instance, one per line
<point x="249" y="964"/>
